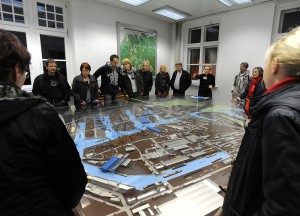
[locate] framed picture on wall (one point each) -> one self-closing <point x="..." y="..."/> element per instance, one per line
<point x="138" y="45"/>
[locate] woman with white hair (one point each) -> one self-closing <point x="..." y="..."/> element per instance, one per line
<point x="265" y="176"/>
<point x="255" y="88"/>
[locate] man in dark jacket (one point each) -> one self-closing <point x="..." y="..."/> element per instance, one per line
<point x="85" y="87"/>
<point x="146" y="77"/>
<point x="265" y="176"/>
<point x="41" y="171"/>
<point x="52" y="85"/>
<point x="180" y="81"/>
<point x="109" y="78"/>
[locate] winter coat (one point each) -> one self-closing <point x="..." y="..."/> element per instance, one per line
<point x="147" y="81"/>
<point x="43" y="86"/>
<point x="265" y="176"/>
<point x="109" y="79"/>
<point x="185" y="81"/>
<point x="246" y="78"/>
<point x="162" y="83"/>
<point x="80" y="88"/>
<point x="40" y="169"/>
<point x="126" y="87"/>
<point x="205" y="81"/>
<point x="260" y="88"/>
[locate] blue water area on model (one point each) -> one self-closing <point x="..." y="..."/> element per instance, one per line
<point x="137" y="181"/>
<point x="140" y="181"/>
<point x="144" y="120"/>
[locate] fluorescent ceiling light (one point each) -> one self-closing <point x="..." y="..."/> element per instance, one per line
<point x="230" y="3"/>
<point x="135" y="2"/>
<point x="171" y="12"/>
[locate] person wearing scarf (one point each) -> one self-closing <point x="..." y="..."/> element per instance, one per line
<point x="264" y="179"/>
<point x="162" y="82"/>
<point x="41" y="172"/>
<point x="255" y="88"/>
<point x="131" y="82"/>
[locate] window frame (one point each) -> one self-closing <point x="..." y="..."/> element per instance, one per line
<point x="202" y="45"/>
<point x="55" y="4"/>
<point x="277" y="18"/>
<point x="26" y="16"/>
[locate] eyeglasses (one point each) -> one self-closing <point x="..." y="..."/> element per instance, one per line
<point x="27" y="74"/>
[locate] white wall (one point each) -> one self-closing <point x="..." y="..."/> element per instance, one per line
<point x="244" y="35"/>
<point x="94" y="33"/>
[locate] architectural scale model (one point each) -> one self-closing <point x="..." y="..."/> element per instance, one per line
<point x="154" y="157"/>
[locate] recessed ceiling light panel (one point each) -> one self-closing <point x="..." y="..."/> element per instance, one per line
<point x="230" y="3"/>
<point x="135" y="2"/>
<point x="171" y="12"/>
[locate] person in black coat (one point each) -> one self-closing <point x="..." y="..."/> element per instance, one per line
<point x="52" y="85"/>
<point x="146" y="77"/>
<point x="162" y="82"/>
<point x="131" y="83"/>
<point x="180" y="81"/>
<point x="265" y="175"/>
<point x="207" y="82"/>
<point x="85" y="87"/>
<point x="256" y="87"/>
<point x="41" y="170"/>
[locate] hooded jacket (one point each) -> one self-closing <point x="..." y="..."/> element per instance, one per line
<point x="265" y="176"/>
<point x="109" y="79"/>
<point x="40" y="169"/>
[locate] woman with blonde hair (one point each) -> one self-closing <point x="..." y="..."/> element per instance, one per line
<point x="131" y="82"/>
<point x="265" y="176"/>
<point x="162" y="82"/>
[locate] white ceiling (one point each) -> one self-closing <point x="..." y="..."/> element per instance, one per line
<point x="196" y="8"/>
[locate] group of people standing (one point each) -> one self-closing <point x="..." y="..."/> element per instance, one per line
<point x="114" y="80"/>
<point x="41" y="169"/>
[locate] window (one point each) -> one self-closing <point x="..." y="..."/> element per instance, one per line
<point x="50" y="16"/>
<point x="289" y="19"/>
<point x="54" y="47"/>
<point x="286" y="17"/>
<point x="202" y="48"/>
<point x="22" y="38"/>
<point x="12" y="11"/>
<point x="195" y="35"/>
<point x="211" y="33"/>
<point x="210" y="57"/>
